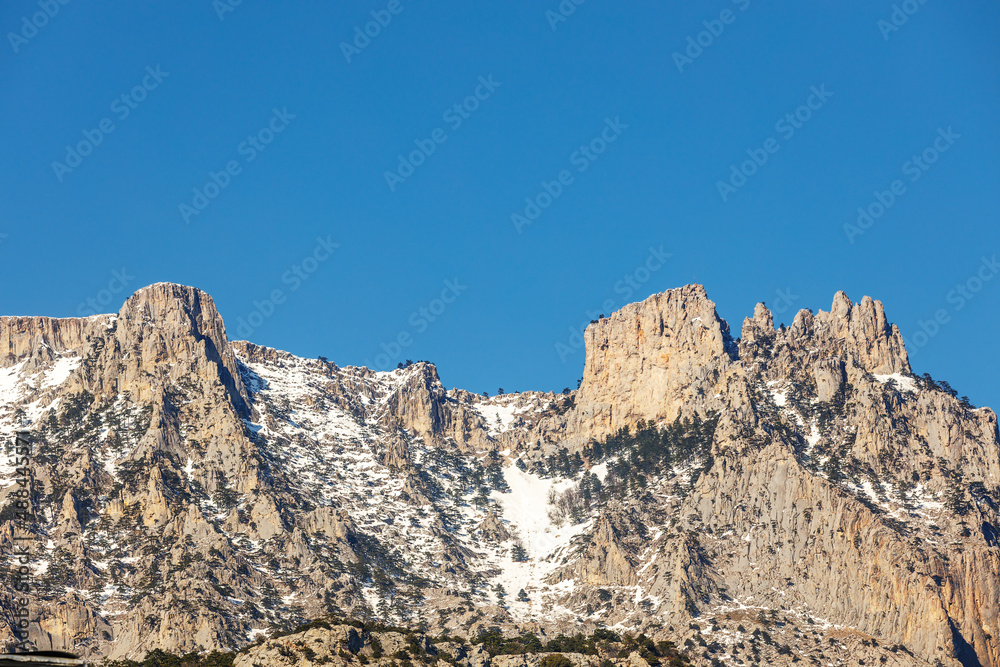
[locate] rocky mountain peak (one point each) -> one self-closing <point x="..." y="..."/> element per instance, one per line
<point x="761" y="324"/>
<point x="842" y="305"/>
<point x="794" y="494"/>
<point x="860" y="330"/>
<point x="763" y="318"/>
<point x="168" y="323"/>
<point x="650" y="359"/>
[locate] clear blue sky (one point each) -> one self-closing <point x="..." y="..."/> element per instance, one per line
<point x="68" y="228"/>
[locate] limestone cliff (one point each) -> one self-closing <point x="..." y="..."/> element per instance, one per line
<point x="791" y="495"/>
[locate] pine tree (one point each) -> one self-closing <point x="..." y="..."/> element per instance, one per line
<point x="564" y="464"/>
<point x="518" y="553"/>
<point x="598" y="451"/>
<point x="522" y="596"/>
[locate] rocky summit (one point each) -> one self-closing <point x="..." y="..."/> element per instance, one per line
<point x="790" y="495"/>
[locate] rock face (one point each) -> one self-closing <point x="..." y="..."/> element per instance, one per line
<point x="653" y="360"/>
<point x="169" y="333"/>
<point x="791" y="495"/>
<point x="37" y="338"/>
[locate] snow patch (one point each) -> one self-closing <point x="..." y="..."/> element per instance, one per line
<point x="56" y="375"/>
<point x="906" y="384"/>
<point x="526" y="509"/>
<point x="499" y="413"/>
<point x="9" y="389"/>
<point x="780" y="395"/>
<point x="600" y="471"/>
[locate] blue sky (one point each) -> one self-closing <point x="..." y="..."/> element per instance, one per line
<point x="247" y="145"/>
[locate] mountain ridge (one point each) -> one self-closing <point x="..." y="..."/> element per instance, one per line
<point x="253" y="473"/>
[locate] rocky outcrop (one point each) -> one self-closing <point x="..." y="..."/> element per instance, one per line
<point x="493" y="528"/>
<point x="165" y="334"/>
<point x="194" y="492"/>
<point x="38" y="340"/>
<point x="829" y="551"/>
<point x="665" y="357"/>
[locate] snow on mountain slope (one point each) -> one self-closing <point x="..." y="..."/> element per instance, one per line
<point x="193" y="492"/>
<point x="525" y="507"/>
<point x="336" y="457"/>
<point x="501" y="412"/>
<point x="903" y="382"/>
<point x="26" y="395"/>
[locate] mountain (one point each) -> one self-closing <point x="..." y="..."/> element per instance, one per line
<point x="789" y="495"/>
